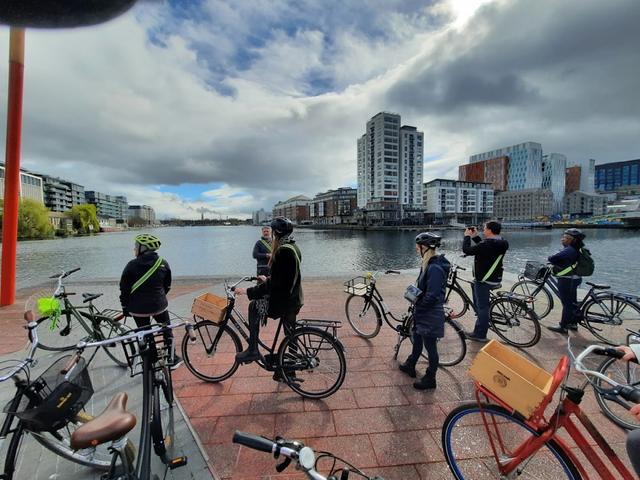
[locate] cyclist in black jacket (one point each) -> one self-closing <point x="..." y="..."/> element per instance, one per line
<point x="487" y="271"/>
<point x="144" y="285"/>
<point x="262" y="252"/>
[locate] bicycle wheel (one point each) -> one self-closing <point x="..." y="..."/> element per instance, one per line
<point x="63" y="336"/>
<point x="543" y="301"/>
<point x="514" y="322"/>
<point x="110" y="329"/>
<point x="456" y="301"/>
<point x="363" y="316"/>
<point x="452" y="348"/>
<point x="609" y="315"/>
<point x="162" y="421"/>
<point x="467" y="445"/>
<point x="212" y="356"/>
<point x="312" y="362"/>
<point x="623" y="372"/>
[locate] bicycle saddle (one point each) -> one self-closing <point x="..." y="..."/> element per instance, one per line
<point x="113" y="423"/>
<point x="89" y="297"/>
<point x="598" y="286"/>
<point x="495" y="287"/>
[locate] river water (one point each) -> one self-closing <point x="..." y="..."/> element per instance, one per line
<point x="226" y="251"/>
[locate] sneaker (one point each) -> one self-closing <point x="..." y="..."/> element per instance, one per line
<point x="175" y="362"/>
<point x="573" y="327"/>
<point x="558" y="329"/>
<point x="475" y="338"/>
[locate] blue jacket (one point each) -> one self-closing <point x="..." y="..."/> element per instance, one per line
<point x="563" y="259"/>
<point x="429" y="308"/>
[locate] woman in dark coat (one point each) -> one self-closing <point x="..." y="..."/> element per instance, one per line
<point x="428" y="312"/>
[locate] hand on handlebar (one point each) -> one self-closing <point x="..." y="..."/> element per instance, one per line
<point x="240" y="291"/>
<point x="635" y="410"/>
<point x="629" y="355"/>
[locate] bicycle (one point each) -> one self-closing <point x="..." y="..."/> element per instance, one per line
<point x="49" y="408"/>
<point x="85" y="323"/>
<point x="310" y="360"/>
<point x="601" y="313"/>
<point x="304" y="456"/>
<point x="148" y="352"/>
<point x="512" y="445"/>
<point x="510" y="316"/>
<point x="365" y="309"/>
<point x="626" y="373"/>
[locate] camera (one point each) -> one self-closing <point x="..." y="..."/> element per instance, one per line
<point x="471" y="227"/>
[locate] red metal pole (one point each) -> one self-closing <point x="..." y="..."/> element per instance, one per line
<point x="12" y="168"/>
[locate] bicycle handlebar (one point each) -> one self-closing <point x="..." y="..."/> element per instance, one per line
<point x="33" y="336"/>
<point x="254" y="441"/>
<point x="395" y="272"/>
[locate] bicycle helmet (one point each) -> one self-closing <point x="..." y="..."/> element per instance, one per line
<point x="281" y="226"/>
<point x="575" y="233"/>
<point x="150" y="241"/>
<point x="428" y="239"/>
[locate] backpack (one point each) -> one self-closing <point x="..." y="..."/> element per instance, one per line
<point x="585" y="264"/>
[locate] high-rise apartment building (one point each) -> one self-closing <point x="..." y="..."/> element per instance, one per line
<point x="390" y="162"/>
<point x="554" y="168"/>
<point x="525" y="164"/>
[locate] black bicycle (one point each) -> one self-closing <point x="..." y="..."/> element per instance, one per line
<point x="49" y="408"/>
<point x="602" y="313"/>
<point x="148" y="351"/>
<point x="64" y="324"/>
<point x="310" y="360"/>
<point x="365" y="309"/>
<point x="511" y="316"/>
<point x="304" y="457"/>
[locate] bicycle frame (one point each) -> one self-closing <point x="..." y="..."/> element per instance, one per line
<point x="384" y="309"/>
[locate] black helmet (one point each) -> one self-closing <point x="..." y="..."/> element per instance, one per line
<point x="575" y="233"/>
<point x="428" y="239"/>
<point x="281" y="226"/>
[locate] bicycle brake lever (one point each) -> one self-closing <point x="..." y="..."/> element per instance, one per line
<point x="282" y="466"/>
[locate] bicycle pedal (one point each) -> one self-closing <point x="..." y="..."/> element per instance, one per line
<point x="177" y="463"/>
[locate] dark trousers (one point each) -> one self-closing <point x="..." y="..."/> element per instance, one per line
<point x="481" y="299"/>
<point x="161" y="318"/>
<point x="568" y="293"/>
<point x="288" y="320"/>
<point x="633" y="449"/>
<point x="430" y="344"/>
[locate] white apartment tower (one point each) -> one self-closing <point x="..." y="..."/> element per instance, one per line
<point x="390" y="162"/>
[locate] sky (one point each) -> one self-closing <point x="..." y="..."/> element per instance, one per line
<point x="224" y="107"/>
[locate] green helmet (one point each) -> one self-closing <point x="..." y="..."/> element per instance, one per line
<point x="150" y="241"/>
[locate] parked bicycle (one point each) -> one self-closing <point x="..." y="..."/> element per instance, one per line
<point x="69" y="324"/>
<point x="310" y="360"/>
<point x="511" y="316"/>
<point x="365" y="309"/>
<point x="49" y="408"/>
<point x="304" y="457"/>
<point x="602" y="313"/>
<point x="148" y="351"/>
<point x="492" y="434"/>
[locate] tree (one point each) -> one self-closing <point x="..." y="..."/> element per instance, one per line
<point x="84" y="218"/>
<point x="33" y="220"/>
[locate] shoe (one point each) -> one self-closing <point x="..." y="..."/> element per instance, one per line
<point x="558" y="329"/>
<point x="472" y="336"/>
<point x="291" y="377"/>
<point x="408" y="368"/>
<point x="428" y="382"/>
<point x="573" y="327"/>
<point x="175" y="362"/>
<point x="249" y="356"/>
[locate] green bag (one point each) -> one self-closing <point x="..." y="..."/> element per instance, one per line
<point x="50" y="307"/>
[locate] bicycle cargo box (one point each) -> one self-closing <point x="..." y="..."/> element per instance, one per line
<point x="210" y="307"/>
<point x="512" y="378"/>
<point x="358" y="286"/>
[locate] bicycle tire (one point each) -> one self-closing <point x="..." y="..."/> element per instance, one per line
<point x="358" y="310"/>
<point x="304" y="355"/>
<point x="603" y="316"/>
<point x="54" y="340"/>
<point x="202" y="364"/>
<point x="456" y="301"/>
<point x="543" y="300"/>
<point x="162" y="426"/>
<point x="460" y="459"/>
<point x="452" y="348"/>
<point x="109" y="329"/>
<point x="12" y="452"/>
<point x="625" y="373"/>
<point x="514" y="322"/>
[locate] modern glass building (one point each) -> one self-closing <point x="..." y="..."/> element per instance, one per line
<point x="554" y="166"/>
<point x="617" y="175"/>
<point x="525" y="164"/>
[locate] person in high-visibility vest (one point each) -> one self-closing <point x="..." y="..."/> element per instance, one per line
<point x="564" y="263"/>
<point x="262" y="252"/>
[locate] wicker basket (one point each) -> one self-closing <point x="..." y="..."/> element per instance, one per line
<point x="359" y="286"/>
<point x="534" y="271"/>
<point x="210" y="307"/>
<point x="511" y="377"/>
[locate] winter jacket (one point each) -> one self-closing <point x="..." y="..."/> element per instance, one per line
<point x="260" y="252"/>
<point x="151" y="297"/>
<point x="486" y="252"/>
<point x="429" y="308"/>
<point x="564" y="258"/>
<point x="284" y="285"/>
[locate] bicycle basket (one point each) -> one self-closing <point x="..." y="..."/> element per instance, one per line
<point x="359" y="286"/>
<point x="161" y="350"/>
<point x="56" y="400"/>
<point x="210" y="307"/>
<point x="534" y="271"/>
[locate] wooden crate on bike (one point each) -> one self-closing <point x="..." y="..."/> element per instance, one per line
<point x="512" y="378"/>
<point x="210" y="307"/>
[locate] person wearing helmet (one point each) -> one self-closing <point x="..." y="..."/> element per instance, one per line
<point x="564" y="263"/>
<point x="428" y="310"/>
<point x="144" y="285"/>
<point x="283" y="287"/>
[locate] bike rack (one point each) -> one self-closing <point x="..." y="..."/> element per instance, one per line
<point x="326" y="325"/>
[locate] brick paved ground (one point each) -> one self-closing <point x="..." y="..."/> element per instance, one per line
<point x="376" y="420"/>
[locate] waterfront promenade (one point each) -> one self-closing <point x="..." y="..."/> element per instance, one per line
<point x="376" y="421"/>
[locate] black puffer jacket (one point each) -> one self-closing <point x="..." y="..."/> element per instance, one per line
<point x="151" y="296"/>
<point x="429" y="308"/>
<point x="486" y="252"/>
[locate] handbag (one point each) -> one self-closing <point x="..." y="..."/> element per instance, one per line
<point x="412" y="293"/>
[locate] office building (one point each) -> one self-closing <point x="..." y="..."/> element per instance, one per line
<point x="620" y="177"/>
<point x="572" y="179"/>
<point x="493" y="170"/>
<point x="584" y="204"/>
<point x="525" y="164"/>
<point x="334" y="206"/>
<point x="465" y="201"/>
<point x="554" y="171"/>
<point x="523" y="205"/>
<point x="30" y="185"/>
<point x="295" y="209"/>
<point x="141" y="215"/>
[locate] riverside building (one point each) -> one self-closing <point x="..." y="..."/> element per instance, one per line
<point x="554" y="170"/>
<point x="334" y="207"/>
<point x="523" y="205"/>
<point x="61" y="195"/>
<point x="465" y="202"/>
<point x="295" y="209"/>
<point x="108" y="206"/>
<point x="525" y="164"/>
<point x="620" y="177"/>
<point x="30" y="186"/>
